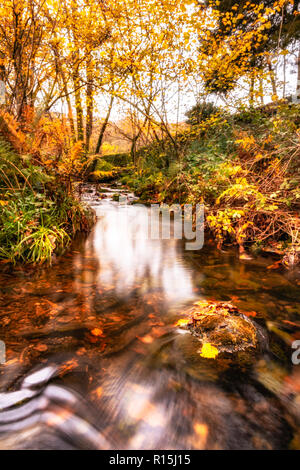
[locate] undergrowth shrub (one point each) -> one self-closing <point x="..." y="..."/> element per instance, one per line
<point x="244" y="168"/>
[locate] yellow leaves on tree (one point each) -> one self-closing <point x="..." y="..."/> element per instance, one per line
<point x="72" y="163"/>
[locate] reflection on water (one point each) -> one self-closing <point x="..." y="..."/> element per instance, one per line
<point x="94" y="360"/>
<point x="128" y="257"/>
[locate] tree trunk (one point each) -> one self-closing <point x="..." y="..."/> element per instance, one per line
<point x="251" y="97"/>
<point x="261" y="91"/>
<point x="78" y="104"/>
<point x="298" y="77"/>
<point x="133" y="149"/>
<point x="104" y="125"/>
<point x="272" y="78"/>
<point x="76" y="75"/>
<point x="136" y="138"/>
<point x="89" y="105"/>
<point x="65" y="91"/>
<point x="70" y="111"/>
<point x="284" y="77"/>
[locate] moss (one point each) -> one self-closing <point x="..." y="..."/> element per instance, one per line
<point x="223" y="326"/>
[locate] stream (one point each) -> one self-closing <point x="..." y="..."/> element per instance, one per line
<point x="94" y="359"/>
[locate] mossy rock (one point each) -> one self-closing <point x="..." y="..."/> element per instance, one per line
<point x="223" y="330"/>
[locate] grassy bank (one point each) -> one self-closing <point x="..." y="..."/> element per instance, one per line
<point x="244" y="168"/>
<point x="39" y="212"/>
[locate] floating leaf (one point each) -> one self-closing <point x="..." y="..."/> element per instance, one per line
<point x="250" y="314"/>
<point x="97" y="332"/>
<point x="146" y="339"/>
<point x="98" y="392"/>
<point x="41" y="347"/>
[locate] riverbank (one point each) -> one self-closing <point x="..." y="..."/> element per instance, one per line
<point x="40" y="211"/>
<point x="244" y="168"/>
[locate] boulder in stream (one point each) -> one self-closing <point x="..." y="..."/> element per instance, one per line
<point x="222" y="330"/>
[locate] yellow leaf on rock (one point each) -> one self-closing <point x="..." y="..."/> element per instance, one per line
<point x="201" y="303"/>
<point x="183" y="322"/>
<point x="208" y="351"/>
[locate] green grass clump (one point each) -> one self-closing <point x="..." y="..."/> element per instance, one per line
<point x="38" y="215"/>
<point x="33" y="226"/>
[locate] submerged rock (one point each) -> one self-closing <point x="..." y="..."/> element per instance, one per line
<point x="221" y="328"/>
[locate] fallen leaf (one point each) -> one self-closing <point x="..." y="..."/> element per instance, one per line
<point x="97" y="332"/>
<point x="291" y="323"/>
<point x="276" y="265"/>
<point x="41" y="347"/>
<point x="208" y="351"/>
<point x="98" y="392"/>
<point x="250" y="314"/>
<point x="146" y="339"/>
<point x="202" y="430"/>
<point x="183" y="322"/>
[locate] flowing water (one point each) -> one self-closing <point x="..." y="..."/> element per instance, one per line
<point x="94" y="361"/>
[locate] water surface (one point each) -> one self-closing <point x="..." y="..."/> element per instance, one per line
<point x="94" y="360"/>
